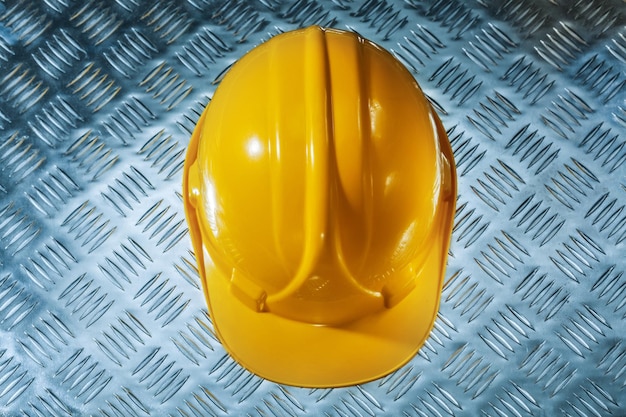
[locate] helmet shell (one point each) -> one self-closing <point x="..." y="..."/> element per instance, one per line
<point x="319" y="188"/>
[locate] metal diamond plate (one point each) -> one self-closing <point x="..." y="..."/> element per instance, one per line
<point x="101" y="311"/>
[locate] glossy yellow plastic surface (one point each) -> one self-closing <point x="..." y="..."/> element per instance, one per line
<point x="320" y="188"/>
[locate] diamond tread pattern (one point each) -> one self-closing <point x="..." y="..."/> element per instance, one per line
<point x="101" y="310"/>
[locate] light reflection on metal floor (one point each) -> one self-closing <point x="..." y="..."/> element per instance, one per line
<point x="100" y="307"/>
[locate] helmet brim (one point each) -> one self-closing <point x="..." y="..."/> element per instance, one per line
<point x="307" y="355"/>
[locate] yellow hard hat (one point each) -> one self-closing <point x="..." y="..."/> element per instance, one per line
<point x="319" y="188"/>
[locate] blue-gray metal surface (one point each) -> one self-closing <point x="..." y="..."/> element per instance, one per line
<point x="101" y="311"/>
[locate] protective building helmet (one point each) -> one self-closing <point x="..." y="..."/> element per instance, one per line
<point x="319" y="189"/>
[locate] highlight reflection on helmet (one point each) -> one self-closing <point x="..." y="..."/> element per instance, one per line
<point x="319" y="189"/>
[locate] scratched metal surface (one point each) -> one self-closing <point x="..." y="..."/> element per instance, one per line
<point x="100" y="307"/>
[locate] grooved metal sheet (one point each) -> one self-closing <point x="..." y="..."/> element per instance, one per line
<point x="100" y="307"/>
